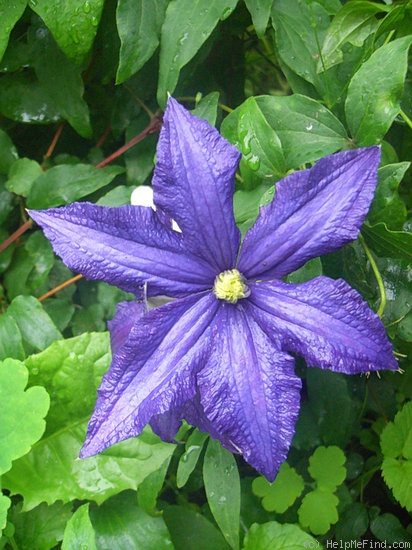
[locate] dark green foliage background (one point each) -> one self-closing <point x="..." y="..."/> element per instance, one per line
<point x="287" y="81"/>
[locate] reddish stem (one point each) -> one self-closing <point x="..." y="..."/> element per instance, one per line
<point x="154" y="126"/>
<point x="104" y="136"/>
<point x="53" y="143"/>
<point x="14" y="236"/>
<point x="60" y="287"/>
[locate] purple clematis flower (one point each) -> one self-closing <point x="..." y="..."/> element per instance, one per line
<point x="219" y="354"/>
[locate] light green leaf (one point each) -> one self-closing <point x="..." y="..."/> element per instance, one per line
<point x="42" y="528"/>
<point x="353" y="23"/>
<point x="120" y="524"/>
<point x="189" y="459"/>
<point x="22" y="174"/>
<point x="311" y="269"/>
<point x="67" y="183"/>
<point x="151" y="486"/>
<point x="326" y="467"/>
<point x="36" y="335"/>
<point x="10" y="13"/>
<point x="277" y="536"/>
<point x="282" y="493"/>
<point x="71" y="371"/>
<point x="79" y="532"/>
<point x="374" y="93"/>
<point x="190" y="530"/>
<point x="73" y="23"/>
<point x="222" y="487"/>
<point x="17" y="437"/>
<point x="260" y="12"/>
<point x="386" y="243"/>
<point x="11" y="344"/>
<point x="318" y="511"/>
<point x="246" y="205"/>
<point x="396" y="445"/>
<point x="52" y="472"/>
<point x="139" y="23"/>
<point x="4" y="506"/>
<point x="187" y="25"/>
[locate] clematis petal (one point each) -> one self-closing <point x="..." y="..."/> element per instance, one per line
<point x="127" y="314"/>
<point x="153" y="372"/>
<point x="314" y="212"/>
<point x="325" y="321"/>
<point x="249" y="391"/>
<point x="194" y="184"/>
<point x="124" y="246"/>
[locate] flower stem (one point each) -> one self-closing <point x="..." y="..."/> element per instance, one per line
<point x="378" y="276"/>
<point x="406" y="118"/>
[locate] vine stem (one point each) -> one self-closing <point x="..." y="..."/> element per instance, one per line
<point x="14" y="236"/>
<point x="153" y="127"/>
<point x="60" y="287"/>
<point x="53" y="144"/>
<point x="378" y="276"/>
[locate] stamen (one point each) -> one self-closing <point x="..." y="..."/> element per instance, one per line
<point x="231" y="286"/>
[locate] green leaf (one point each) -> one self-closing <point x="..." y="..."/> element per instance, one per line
<point x="36" y="335"/>
<point x="388" y="528"/>
<point x="139" y="23"/>
<point x="206" y="108"/>
<point x="326" y="467"/>
<point x="67" y="183"/>
<point x="73" y="23"/>
<point x="16" y="436"/>
<point x="318" y="511"/>
<point x="71" y="370"/>
<point x="310" y="270"/>
<point x="353" y="522"/>
<point x="151" y="486"/>
<point x="374" y="93"/>
<point x="189" y="459"/>
<point x="11" y="344"/>
<point x="4" y="506"/>
<point x="30" y="266"/>
<point x="22" y="174"/>
<point x="259" y="143"/>
<point x="52" y="472"/>
<point x="328" y="392"/>
<point x="119" y="523"/>
<point x="9" y="154"/>
<point x="307" y="129"/>
<point x="353" y="23"/>
<point x="222" y="487"/>
<point x="260" y="12"/>
<point x="396" y="445"/>
<point x="187" y="26"/>
<point x="79" y="532"/>
<point x="300" y="28"/>
<point x="282" y="493"/>
<point x="190" y="530"/>
<point x="387" y="206"/>
<point x="55" y="73"/>
<point x="246" y="205"/>
<point x="10" y="13"/>
<point x="277" y="536"/>
<point x="41" y="528"/>
<point x="386" y="243"/>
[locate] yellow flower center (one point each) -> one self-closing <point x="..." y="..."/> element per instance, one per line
<point x="230" y="286"/>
